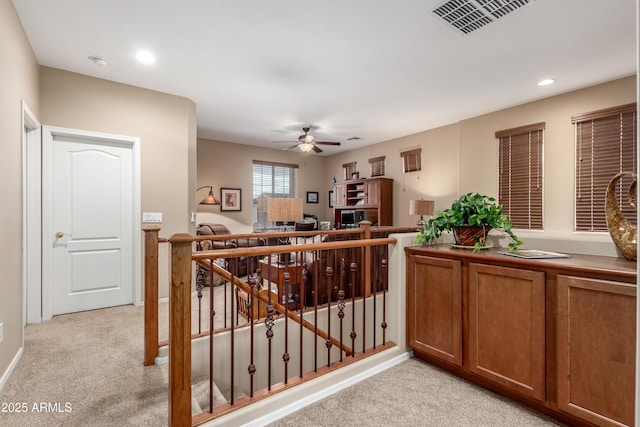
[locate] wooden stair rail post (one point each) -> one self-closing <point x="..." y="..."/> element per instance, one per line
<point x="180" y="331"/>
<point x="150" y="294"/>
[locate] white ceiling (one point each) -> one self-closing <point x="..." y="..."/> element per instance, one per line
<point x="260" y="70"/>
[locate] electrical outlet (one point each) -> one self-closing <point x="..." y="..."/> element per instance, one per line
<point x="152" y="217"/>
<point x="1" y="332"/>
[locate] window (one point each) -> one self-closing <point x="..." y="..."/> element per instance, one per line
<point x="605" y="145"/>
<point x="411" y="160"/>
<point x="377" y="166"/>
<point x="520" y="173"/>
<point x="270" y="180"/>
<point x="349" y="170"/>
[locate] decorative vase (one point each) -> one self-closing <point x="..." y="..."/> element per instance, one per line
<point x="623" y="233"/>
<point x="468" y="235"/>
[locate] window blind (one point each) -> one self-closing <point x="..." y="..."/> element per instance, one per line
<point x="377" y="166"/>
<point x="349" y="169"/>
<point x="271" y="179"/>
<point x="411" y="160"/>
<point x="520" y="175"/>
<point x="605" y="145"/>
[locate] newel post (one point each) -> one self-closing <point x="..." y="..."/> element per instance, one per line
<point x="180" y="331"/>
<point x="150" y="294"/>
<point x="366" y="234"/>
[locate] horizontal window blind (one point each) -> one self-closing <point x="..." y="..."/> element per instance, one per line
<point x="605" y="145"/>
<point x="271" y="179"/>
<point x="377" y="166"/>
<point x="520" y="175"/>
<point x="411" y="160"/>
<point x="349" y="169"/>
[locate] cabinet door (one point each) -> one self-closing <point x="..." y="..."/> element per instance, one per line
<point x="596" y="341"/>
<point x="434" y="307"/>
<point x="507" y="327"/>
<point x="340" y="195"/>
<point x="372" y="192"/>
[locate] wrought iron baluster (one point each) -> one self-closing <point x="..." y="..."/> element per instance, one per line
<point x="328" y="343"/>
<point x="385" y="283"/>
<point x="285" y="356"/>
<point x="252" y="367"/>
<point x="354" y="268"/>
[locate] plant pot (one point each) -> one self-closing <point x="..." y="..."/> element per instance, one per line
<point x="468" y="235"/>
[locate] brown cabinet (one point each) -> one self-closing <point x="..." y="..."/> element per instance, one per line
<point x="370" y="199"/>
<point x="434" y="298"/>
<point x="506" y="327"/>
<point x="555" y="334"/>
<point x="596" y="349"/>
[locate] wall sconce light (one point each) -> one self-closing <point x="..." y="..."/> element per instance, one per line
<point x="210" y="199"/>
<point x="421" y="207"/>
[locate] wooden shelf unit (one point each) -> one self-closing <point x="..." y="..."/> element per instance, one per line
<point x="372" y="196"/>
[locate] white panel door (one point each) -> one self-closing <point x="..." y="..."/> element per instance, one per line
<point x="91" y="223"/>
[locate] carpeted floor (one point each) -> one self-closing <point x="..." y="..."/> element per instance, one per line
<point x="414" y="393"/>
<point x="85" y="369"/>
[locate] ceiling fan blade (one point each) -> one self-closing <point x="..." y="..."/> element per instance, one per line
<point x="289" y="148"/>
<point x="327" y="142"/>
<point x="317" y="149"/>
<point x="288" y="142"/>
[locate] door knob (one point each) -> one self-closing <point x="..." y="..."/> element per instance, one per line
<point x="60" y="234"/>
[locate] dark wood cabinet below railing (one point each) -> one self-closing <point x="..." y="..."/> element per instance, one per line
<point x="556" y="334"/>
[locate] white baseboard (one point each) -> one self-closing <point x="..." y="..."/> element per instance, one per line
<point x="11" y="367"/>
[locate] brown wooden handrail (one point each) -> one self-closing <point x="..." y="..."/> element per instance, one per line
<point x="277" y="234"/>
<point x="278" y="307"/>
<point x="182" y="256"/>
<point x="280" y="249"/>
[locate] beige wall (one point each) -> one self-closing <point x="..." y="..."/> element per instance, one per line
<point x="462" y="158"/>
<point x="222" y="164"/>
<point x="164" y="123"/>
<point x="457" y="158"/>
<point x="477" y="135"/>
<point x="438" y="179"/>
<point x="18" y="81"/>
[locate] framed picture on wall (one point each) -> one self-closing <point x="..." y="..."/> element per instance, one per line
<point x="312" y="197"/>
<point x="330" y="198"/>
<point x="231" y="199"/>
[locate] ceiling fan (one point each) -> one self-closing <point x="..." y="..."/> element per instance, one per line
<point x="307" y="142"/>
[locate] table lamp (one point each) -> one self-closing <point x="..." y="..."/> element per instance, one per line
<point x="421" y="207"/>
<point x="285" y="210"/>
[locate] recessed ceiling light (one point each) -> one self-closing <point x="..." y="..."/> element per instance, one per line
<point x="545" y="82"/>
<point x="98" y="60"/>
<point x="145" y="57"/>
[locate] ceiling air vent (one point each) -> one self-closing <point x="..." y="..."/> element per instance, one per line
<point x="466" y="16"/>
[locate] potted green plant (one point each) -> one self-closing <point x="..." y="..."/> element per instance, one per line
<point x="469" y="218"/>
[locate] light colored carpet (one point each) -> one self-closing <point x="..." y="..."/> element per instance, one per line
<point x="92" y="362"/>
<point x="86" y="368"/>
<point x="414" y="393"/>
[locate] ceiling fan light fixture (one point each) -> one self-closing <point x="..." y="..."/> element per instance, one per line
<point x="306" y="138"/>
<point x="305" y="147"/>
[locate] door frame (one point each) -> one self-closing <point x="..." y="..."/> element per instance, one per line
<point x="49" y="133"/>
<point x="31" y="217"/>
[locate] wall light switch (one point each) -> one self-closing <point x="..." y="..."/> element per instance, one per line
<point x="152" y="217"/>
<point x="193" y="217"/>
<point x="1" y="332"/>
